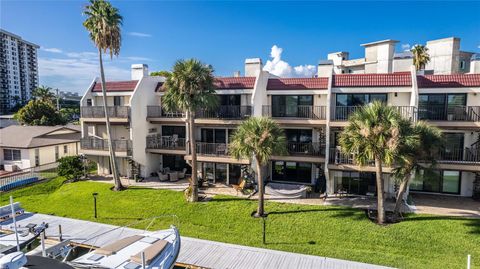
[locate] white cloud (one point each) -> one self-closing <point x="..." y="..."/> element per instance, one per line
<point x="278" y="67"/>
<point x="52" y="50"/>
<point x="137" y="58"/>
<point x="138" y="34"/>
<point x="82" y="55"/>
<point x="406" y="47"/>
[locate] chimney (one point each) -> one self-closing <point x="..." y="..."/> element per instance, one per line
<point x="324" y="68"/>
<point x="252" y="67"/>
<point x="475" y="64"/>
<point x="139" y="71"/>
<point x="236" y="74"/>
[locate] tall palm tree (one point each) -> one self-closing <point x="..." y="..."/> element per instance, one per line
<point x="43" y="93"/>
<point x="104" y="22"/>
<point x="190" y="87"/>
<point x="420" y="56"/>
<point x="258" y="138"/>
<point x="374" y="133"/>
<point x="425" y="140"/>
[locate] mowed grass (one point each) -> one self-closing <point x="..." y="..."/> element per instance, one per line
<point x="422" y="241"/>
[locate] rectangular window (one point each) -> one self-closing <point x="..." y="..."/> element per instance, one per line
<point x="117" y="101"/>
<point x="299" y="106"/>
<point x="462" y="65"/>
<point x="56" y="153"/>
<point x="65" y="149"/>
<point x="438" y="181"/>
<point x="442" y="106"/>
<point x="37" y="157"/>
<point x="89" y="102"/>
<point x="292" y="172"/>
<point x="12" y="155"/>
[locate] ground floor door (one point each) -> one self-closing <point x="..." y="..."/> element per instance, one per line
<point x="352" y="182"/>
<point x="439" y="181"/>
<point x="294" y="172"/>
<point x="216" y="173"/>
<point x="175" y="163"/>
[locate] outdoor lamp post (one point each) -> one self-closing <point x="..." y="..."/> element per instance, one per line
<point x="95" y="203"/>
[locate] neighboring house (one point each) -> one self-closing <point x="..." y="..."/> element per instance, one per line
<point x="7" y="120"/>
<point x="313" y="111"/>
<point x="28" y="146"/>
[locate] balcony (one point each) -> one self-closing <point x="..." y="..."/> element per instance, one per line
<point x="157" y="141"/>
<point x="460" y="155"/>
<point x="450" y="113"/>
<point x="97" y="112"/>
<point x="342" y="113"/>
<point x="212" y="149"/>
<point x="305" y="149"/>
<point x="159" y="112"/>
<point x="225" y="112"/>
<point x="296" y="112"/>
<point x="98" y="144"/>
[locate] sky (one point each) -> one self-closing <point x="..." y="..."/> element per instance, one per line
<point x="290" y="37"/>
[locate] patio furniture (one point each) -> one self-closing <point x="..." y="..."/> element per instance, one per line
<point x="181" y="175"/>
<point x="174" y="141"/>
<point x="162" y="177"/>
<point x="341" y="193"/>
<point x="166" y="170"/>
<point x="239" y="187"/>
<point x="173" y="176"/>
<point x="221" y="149"/>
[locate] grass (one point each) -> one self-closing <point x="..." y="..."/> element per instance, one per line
<point x="422" y="241"/>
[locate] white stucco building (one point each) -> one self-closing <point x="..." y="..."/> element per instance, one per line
<point x="18" y="70"/>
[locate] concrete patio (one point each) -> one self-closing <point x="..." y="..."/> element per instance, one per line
<point x="446" y="205"/>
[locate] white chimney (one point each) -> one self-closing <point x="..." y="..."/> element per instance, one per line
<point x="475" y="64"/>
<point x="324" y="68"/>
<point x="252" y="67"/>
<point x="139" y="71"/>
<point x="236" y="74"/>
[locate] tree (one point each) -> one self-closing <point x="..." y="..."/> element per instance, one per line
<point x="70" y="167"/>
<point x="162" y="73"/>
<point x="38" y="112"/>
<point x="104" y="22"/>
<point x="190" y="87"/>
<point x="420" y="56"/>
<point x="43" y="93"/>
<point x="415" y="156"/>
<point x="374" y="133"/>
<point x="258" y="139"/>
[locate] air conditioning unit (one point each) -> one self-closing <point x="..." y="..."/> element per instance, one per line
<point x="11" y="167"/>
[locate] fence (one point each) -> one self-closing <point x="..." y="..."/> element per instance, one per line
<point x="28" y="176"/>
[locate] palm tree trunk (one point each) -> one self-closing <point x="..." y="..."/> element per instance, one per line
<point x="401" y="192"/>
<point x="193" y="152"/>
<point x="113" y="161"/>
<point x="261" y="188"/>
<point x="380" y="191"/>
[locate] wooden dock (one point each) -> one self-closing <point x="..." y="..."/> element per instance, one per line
<point x="195" y="252"/>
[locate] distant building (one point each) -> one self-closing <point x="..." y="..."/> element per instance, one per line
<point x="23" y="147"/>
<point x="7" y="120"/>
<point x="18" y="70"/>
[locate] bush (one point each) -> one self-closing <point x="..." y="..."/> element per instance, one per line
<point x="38" y="112"/>
<point x="71" y="167"/>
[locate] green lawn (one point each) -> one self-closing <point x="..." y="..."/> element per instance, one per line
<point x="422" y="241"/>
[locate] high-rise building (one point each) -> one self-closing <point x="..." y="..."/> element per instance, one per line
<point x="18" y="70"/>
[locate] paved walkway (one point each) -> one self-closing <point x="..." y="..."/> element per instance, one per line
<point x="197" y="252"/>
<point x="446" y="205"/>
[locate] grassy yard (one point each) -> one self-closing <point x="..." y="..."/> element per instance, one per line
<point x="422" y="241"/>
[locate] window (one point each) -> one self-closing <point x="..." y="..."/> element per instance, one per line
<point x="292" y="172"/>
<point x="442" y="106"/>
<point x="462" y="65"/>
<point x="117" y="100"/>
<point x="437" y="181"/>
<point x="299" y="106"/>
<point x="65" y="149"/>
<point x="89" y="102"/>
<point x="56" y="153"/>
<point x="37" y="157"/>
<point x="12" y="155"/>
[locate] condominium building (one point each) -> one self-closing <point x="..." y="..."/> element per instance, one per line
<point x="312" y="111"/>
<point x="18" y="70"/>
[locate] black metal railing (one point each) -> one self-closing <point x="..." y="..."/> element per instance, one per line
<point x="157" y="141"/>
<point x="160" y="112"/>
<point x="342" y="113"/>
<point x="93" y="143"/>
<point x="459" y="155"/>
<point x="336" y="156"/>
<point x="449" y="113"/>
<point x="225" y="112"/>
<point x="301" y="112"/>
<point x="99" y="112"/>
<point x="306" y="149"/>
<point x="212" y="149"/>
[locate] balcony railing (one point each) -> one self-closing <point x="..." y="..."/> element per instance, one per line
<point x="450" y="113"/>
<point x="98" y="112"/>
<point x="299" y="112"/>
<point x="305" y="149"/>
<point x="159" y="112"/>
<point x="212" y="149"/>
<point x="460" y="155"/>
<point x="157" y="141"/>
<point x="338" y="157"/>
<point x="342" y="113"/>
<point x="225" y="112"/>
<point x="93" y="143"/>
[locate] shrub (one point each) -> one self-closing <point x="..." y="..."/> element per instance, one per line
<point x="71" y="167"/>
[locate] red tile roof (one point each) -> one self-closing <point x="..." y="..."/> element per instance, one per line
<point x="116" y="86"/>
<point x="449" y="81"/>
<point x="372" y="80"/>
<point x="297" y="83"/>
<point x="225" y="83"/>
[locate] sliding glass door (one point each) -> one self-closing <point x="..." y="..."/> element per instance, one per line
<point x="439" y="181"/>
<point x="295" y="106"/>
<point x="292" y="172"/>
<point x="442" y="106"/>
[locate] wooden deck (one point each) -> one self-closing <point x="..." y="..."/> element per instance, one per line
<point x="197" y="252"/>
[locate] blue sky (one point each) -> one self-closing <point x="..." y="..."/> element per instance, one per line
<point x="225" y="33"/>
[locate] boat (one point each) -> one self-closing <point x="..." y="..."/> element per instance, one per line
<point x="26" y="235"/>
<point x="18" y="260"/>
<point x="149" y="250"/>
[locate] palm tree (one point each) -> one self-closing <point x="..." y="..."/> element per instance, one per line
<point x="374" y="133"/>
<point x="43" y="93"/>
<point x="103" y="22"/>
<point x="420" y="56"/>
<point x="190" y="87"/>
<point x="258" y="138"/>
<point x="412" y="157"/>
